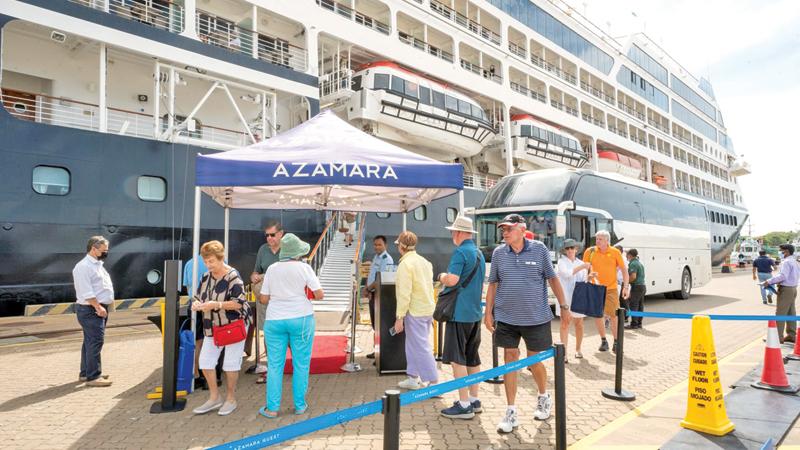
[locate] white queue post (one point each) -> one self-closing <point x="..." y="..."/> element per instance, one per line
<point x="195" y="265"/>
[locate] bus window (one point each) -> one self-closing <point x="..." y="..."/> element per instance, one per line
<point x="577" y="229"/>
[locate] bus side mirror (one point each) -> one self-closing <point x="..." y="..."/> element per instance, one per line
<point x="561" y="225"/>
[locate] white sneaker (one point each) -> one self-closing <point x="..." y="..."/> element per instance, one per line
<point x="208" y="406"/>
<point x="261" y="368"/>
<point x="227" y="408"/>
<point x="411" y="384"/>
<point x="543" y="407"/>
<point x="508" y="423"/>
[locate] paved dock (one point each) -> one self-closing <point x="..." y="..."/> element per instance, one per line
<point x="42" y="405"/>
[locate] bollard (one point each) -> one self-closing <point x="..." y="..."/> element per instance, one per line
<point x="618" y="393"/>
<point x="561" y="397"/>
<point x="391" y="420"/>
<point x="495" y="380"/>
<point x="169" y="401"/>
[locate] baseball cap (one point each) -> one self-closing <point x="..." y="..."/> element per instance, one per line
<point x="512" y="219"/>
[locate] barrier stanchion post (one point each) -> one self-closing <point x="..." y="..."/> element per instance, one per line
<point x="495" y="380"/>
<point x="391" y="420"/>
<point x="169" y="401"/>
<point x="439" y="340"/>
<point x="561" y="397"/>
<point x="618" y="393"/>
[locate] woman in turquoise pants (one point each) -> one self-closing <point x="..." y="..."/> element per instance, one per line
<point x="289" y="322"/>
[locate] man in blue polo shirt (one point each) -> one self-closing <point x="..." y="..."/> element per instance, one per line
<point x="517" y="307"/>
<point x="463" y="334"/>
<point x="762" y="271"/>
<point x="380" y="262"/>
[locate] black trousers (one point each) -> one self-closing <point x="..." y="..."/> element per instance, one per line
<point x="636" y="302"/>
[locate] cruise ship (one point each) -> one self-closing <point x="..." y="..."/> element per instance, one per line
<point x="106" y="104"/>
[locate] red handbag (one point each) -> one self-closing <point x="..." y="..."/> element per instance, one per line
<point x="310" y="293"/>
<point x="229" y="334"/>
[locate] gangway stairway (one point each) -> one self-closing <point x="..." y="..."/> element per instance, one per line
<point x="336" y="276"/>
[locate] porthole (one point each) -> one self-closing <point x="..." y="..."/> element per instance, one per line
<point x="154" y="277"/>
<point x="51" y="180"/>
<point x="151" y="189"/>
<point x="421" y="213"/>
<point x="451" y="214"/>
<point x="383" y="215"/>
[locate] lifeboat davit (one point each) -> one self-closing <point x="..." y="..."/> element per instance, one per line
<point x="614" y="162"/>
<point x="536" y="145"/>
<point x="398" y="105"/>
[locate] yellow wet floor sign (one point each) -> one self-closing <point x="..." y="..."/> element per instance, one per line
<point x="705" y="409"/>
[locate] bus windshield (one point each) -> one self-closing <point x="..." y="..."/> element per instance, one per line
<point x="541" y="223"/>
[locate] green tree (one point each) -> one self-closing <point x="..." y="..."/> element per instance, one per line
<point x="776" y="238"/>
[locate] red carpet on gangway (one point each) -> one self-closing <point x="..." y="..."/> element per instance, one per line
<point x="327" y="355"/>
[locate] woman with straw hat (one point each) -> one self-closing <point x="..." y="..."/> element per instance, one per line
<point x="289" y="322"/>
<point x="414" y="293"/>
<point x="570" y="271"/>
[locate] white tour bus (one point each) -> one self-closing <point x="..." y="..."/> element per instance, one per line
<point x="670" y="231"/>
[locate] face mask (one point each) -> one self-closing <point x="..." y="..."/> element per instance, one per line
<point x="102" y="256"/>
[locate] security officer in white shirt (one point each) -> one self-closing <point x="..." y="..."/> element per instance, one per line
<point x="94" y="292"/>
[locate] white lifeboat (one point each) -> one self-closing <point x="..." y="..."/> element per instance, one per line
<point x="740" y="167"/>
<point x="614" y="162"/>
<point x="427" y="117"/>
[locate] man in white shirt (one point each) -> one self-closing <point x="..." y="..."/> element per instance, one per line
<point x="94" y="293"/>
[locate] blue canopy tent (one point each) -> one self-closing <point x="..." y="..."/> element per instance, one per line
<point x="323" y="164"/>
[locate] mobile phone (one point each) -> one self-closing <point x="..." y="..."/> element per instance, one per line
<point x="392" y="332"/>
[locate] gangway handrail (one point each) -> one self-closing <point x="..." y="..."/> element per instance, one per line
<point x="321" y="247"/>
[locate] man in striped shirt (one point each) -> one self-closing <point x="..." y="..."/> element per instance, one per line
<point x="517" y="307"/>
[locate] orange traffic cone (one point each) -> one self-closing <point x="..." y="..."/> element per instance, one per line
<point x="773" y="376"/>
<point x="795" y="355"/>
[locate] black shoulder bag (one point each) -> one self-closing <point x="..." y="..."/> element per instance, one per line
<point x="446" y="302"/>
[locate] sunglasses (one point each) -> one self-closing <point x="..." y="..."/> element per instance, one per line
<point x="271" y="234"/>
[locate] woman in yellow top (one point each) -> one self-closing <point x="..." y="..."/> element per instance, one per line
<point x="414" y="292"/>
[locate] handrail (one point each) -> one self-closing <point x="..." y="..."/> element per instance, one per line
<point x="322" y="238"/>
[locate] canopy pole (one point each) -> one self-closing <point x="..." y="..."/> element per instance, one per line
<point x="405" y="220"/>
<point x="461" y="201"/>
<point x="195" y="263"/>
<point x="227" y="230"/>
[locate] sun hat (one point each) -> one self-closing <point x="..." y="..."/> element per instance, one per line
<point x="569" y="243"/>
<point x="461" y="224"/>
<point x="292" y="247"/>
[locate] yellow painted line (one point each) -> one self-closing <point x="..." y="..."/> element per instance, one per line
<point x="605" y="430"/>
<point x="51" y="341"/>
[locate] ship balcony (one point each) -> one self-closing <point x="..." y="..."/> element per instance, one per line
<point x="489" y="73"/>
<point x="518" y="50"/>
<point x="213" y="29"/>
<point x="538" y="96"/>
<point x="369" y="21"/>
<point x="465" y="22"/>
<point x="420" y="44"/>
<point x="553" y="69"/>
<point x="163" y="14"/>
<point x="70" y="113"/>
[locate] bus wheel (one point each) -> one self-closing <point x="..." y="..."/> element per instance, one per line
<point x="686" y="285"/>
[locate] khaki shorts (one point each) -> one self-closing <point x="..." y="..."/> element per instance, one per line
<point x="612" y="302"/>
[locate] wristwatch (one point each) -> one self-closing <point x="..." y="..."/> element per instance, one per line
<point x="564" y="306"/>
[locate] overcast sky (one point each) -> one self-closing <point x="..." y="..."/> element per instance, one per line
<point x="750" y="50"/>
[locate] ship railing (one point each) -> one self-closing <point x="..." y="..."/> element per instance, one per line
<point x="597" y="92"/>
<point x="555" y="70"/>
<point x="70" y="113"/>
<point x="222" y="32"/>
<point x="465" y="22"/>
<point x="478" y="70"/>
<point x="424" y="46"/>
<point x="528" y="92"/>
<point x="478" y="181"/>
<point x="317" y="256"/>
<point x="165" y="14"/>
<point x="517" y="50"/>
<point x="570" y="110"/>
<point x="352" y="14"/>
<point x="682" y="138"/>
<point x="335" y="82"/>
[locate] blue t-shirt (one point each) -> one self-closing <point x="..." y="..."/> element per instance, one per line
<point x="521" y="278"/>
<point x="764" y="264"/>
<point x="468" y="302"/>
<point x="379" y="264"/>
<point x="187" y="272"/>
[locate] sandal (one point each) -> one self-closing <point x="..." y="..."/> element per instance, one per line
<point x="267" y="413"/>
<point x="299" y="412"/>
<point x="261" y="379"/>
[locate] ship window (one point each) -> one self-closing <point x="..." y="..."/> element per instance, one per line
<point x="438" y="99"/>
<point x="50" y="180"/>
<point x="421" y="213"/>
<point x="452" y="104"/>
<point x="397" y="84"/>
<point x="151" y="189"/>
<point x="464" y="107"/>
<point x="716" y="215"/>
<point x="450" y="215"/>
<point x="477" y="112"/>
<point x="424" y="95"/>
<point x="355" y="85"/>
<point x="735" y="221"/>
<point x="381" y="81"/>
<point x="711" y="215"/>
<point x="383" y="215"/>
<point x="412" y="90"/>
<point x="525" y="130"/>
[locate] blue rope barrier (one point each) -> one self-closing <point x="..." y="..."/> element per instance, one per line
<point x="295" y="430"/>
<point x="663" y="315"/>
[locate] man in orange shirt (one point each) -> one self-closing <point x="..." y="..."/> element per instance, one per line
<point x="605" y="261"/>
